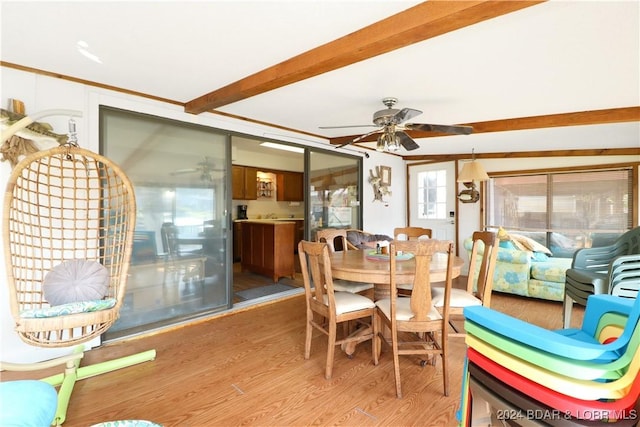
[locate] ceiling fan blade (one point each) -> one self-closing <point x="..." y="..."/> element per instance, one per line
<point x="361" y="137"/>
<point x="346" y="126"/>
<point x="405" y="114"/>
<point x="406" y="141"/>
<point x="452" y="129"/>
<point x="183" y="171"/>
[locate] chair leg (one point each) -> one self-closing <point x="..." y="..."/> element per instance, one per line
<point x="308" y="336"/>
<point x="396" y="365"/>
<point x="331" y="348"/>
<point x="375" y="343"/>
<point x="567" y="307"/>
<point x="444" y="344"/>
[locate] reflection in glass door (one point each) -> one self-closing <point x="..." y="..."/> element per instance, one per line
<point x="179" y="260"/>
<point x="334" y="194"/>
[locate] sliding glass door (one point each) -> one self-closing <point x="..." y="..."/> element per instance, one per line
<point x="334" y="192"/>
<point x="179" y="264"/>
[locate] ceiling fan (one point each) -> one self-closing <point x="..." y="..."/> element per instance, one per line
<point x="205" y="168"/>
<point x="391" y="126"/>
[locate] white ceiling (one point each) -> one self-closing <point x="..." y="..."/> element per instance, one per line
<point x="550" y="58"/>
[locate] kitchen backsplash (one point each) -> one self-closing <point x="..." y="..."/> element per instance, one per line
<point x="263" y="207"/>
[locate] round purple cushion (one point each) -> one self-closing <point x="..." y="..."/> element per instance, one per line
<point x="75" y="281"/>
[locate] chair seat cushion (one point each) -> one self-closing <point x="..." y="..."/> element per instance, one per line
<point x="458" y="298"/>
<point x="552" y="270"/>
<point x="347" y="302"/>
<point x="71" y="308"/>
<point x="27" y="403"/>
<point x="349" y="286"/>
<point x="403" y="309"/>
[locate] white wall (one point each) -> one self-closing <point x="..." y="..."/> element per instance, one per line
<point x="378" y="217"/>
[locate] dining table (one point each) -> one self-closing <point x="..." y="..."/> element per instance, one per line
<point x="367" y="266"/>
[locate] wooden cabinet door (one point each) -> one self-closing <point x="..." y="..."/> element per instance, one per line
<point x="250" y="183"/>
<point x="243" y="182"/>
<point x="237" y="182"/>
<point x="283" y="257"/>
<point x="237" y="241"/>
<point x="290" y="186"/>
<point x="266" y="248"/>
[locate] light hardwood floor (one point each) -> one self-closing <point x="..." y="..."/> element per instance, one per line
<point x="247" y="368"/>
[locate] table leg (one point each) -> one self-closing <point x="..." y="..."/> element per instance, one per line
<point x="350" y="347"/>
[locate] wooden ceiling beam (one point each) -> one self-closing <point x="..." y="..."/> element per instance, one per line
<point x="437" y="158"/>
<point x="581" y="118"/>
<point x="421" y="22"/>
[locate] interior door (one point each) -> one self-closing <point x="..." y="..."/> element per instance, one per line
<point x="432" y="198"/>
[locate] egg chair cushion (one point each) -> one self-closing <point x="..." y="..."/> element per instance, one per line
<point x="69" y="308"/>
<point x="75" y="281"/>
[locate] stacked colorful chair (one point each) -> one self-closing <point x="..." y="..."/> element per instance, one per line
<point x="530" y="375"/>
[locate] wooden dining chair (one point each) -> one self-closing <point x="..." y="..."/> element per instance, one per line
<point x="411" y="233"/>
<point x="416" y="326"/>
<point x="327" y="308"/>
<point x="337" y="238"/>
<point x="482" y="264"/>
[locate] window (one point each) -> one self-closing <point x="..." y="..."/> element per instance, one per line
<point x="432" y="194"/>
<point x="564" y="211"/>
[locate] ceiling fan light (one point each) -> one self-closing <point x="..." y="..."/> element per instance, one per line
<point x="394" y="144"/>
<point x="380" y="144"/>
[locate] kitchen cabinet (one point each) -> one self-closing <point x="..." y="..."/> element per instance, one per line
<point x="266" y="248"/>
<point x="299" y="234"/>
<point x="237" y="241"/>
<point x="244" y="182"/>
<point x="290" y="186"/>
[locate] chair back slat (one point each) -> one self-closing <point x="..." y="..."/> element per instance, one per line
<point x="423" y="252"/>
<point x="335" y="238"/>
<point x="484" y="252"/>
<point x="411" y="233"/>
<point x="624" y="276"/>
<point x="316" y="273"/>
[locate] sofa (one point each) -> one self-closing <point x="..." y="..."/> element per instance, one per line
<point x="529" y="273"/>
<point x="358" y="239"/>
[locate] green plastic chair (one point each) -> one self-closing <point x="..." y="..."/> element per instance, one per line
<point x="589" y="272"/>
